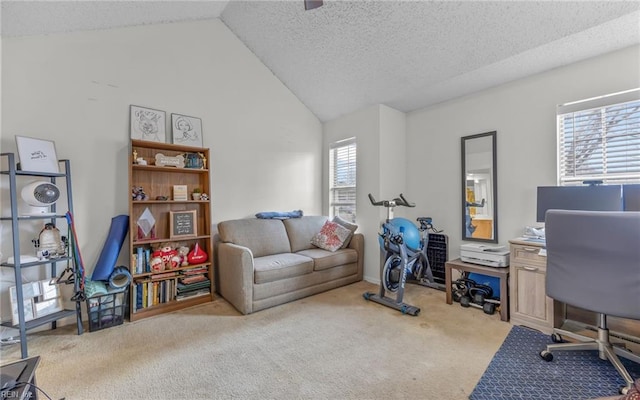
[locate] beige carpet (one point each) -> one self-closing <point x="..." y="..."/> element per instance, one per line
<point x="333" y="345"/>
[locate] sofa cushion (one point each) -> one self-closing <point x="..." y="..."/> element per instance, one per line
<point x="262" y="236"/>
<point x="324" y="259"/>
<point x="280" y="266"/>
<point x="331" y="237"/>
<point x="350" y="226"/>
<point x="302" y="230"/>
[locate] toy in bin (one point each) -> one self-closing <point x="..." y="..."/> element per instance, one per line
<point x="476" y="290"/>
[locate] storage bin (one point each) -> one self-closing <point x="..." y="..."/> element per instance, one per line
<point x="107" y="310"/>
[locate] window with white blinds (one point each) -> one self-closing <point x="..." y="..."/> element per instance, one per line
<point x="599" y="140"/>
<point x="342" y="179"/>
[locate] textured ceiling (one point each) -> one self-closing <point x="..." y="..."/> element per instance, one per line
<point x="348" y="55"/>
<point x="20" y="18"/>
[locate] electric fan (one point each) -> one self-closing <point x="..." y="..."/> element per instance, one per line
<point x="40" y="195"/>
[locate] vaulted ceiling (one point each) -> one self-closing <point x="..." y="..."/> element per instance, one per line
<point x="347" y="55"/>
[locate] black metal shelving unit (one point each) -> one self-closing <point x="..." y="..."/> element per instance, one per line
<point x="23" y="326"/>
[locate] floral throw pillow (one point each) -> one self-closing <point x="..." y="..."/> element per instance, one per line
<point x="331" y="237"/>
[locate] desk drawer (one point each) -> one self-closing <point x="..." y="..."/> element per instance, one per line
<point x="527" y="255"/>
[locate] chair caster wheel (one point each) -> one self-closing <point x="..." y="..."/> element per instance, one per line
<point x="545" y="355"/>
<point x="624" y="390"/>
<point x="556" y="338"/>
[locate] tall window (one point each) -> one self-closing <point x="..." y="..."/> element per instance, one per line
<point x="599" y="139"/>
<point x="342" y="179"/>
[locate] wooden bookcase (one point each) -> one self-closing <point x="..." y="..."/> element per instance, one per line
<point x="159" y="290"/>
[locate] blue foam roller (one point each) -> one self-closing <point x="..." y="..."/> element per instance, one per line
<point x="120" y="277"/>
<point x="109" y="255"/>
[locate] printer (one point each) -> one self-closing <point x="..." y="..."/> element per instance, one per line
<point x="490" y="256"/>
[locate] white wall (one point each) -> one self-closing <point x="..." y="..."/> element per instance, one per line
<point x="524" y="115"/>
<point x="76" y="89"/>
<point x="379" y="132"/>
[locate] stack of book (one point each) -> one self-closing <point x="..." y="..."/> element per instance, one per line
<point x="193" y="282"/>
<point x="141" y="259"/>
<point x="151" y="292"/>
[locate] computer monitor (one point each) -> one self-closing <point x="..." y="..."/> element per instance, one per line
<point x="631" y="197"/>
<point x="588" y="198"/>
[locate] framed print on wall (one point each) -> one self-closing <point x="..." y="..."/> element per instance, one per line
<point x="186" y="130"/>
<point x="148" y="124"/>
<point x="37" y="155"/>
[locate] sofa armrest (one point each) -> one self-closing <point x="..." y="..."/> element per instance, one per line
<point x="357" y="243"/>
<point x="235" y="266"/>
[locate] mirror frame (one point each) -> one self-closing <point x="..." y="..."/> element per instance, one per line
<point x="494" y="189"/>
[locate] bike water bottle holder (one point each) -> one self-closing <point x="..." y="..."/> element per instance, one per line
<point x="391" y="243"/>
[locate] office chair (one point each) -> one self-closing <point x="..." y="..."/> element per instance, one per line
<point x="593" y="262"/>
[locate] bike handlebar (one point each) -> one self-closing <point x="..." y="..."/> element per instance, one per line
<point x="398" y="201"/>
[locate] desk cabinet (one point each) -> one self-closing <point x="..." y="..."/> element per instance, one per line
<point x="530" y="305"/>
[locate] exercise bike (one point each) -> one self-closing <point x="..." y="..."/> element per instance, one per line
<point x="405" y="256"/>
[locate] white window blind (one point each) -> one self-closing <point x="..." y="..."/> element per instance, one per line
<point x="342" y="179"/>
<point x="599" y="139"/>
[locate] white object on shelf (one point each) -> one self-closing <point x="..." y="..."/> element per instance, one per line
<point x="40" y="298"/>
<point x="490" y="256"/>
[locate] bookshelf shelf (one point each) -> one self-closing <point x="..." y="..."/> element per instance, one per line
<point x="171" y="288"/>
<point x="150" y="275"/>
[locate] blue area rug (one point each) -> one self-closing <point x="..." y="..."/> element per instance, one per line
<point x="517" y="372"/>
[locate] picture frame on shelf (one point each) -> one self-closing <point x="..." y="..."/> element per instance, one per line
<point x="180" y="193"/>
<point x="183" y="224"/>
<point x="37" y="155"/>
<point x="186" y="130"/>
<point x="194" y="160"/>
<point x="147" y="124"/>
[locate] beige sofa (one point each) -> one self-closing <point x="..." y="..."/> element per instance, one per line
<point x="266" y="262"/>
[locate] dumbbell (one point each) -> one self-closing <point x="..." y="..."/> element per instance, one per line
<point x="489" y="306"/>
<point x="481" y="299"/>
<point x="461" y="288"/>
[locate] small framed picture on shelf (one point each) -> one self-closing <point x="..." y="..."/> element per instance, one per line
<point x="183" y="224"/>
<point x="180" y="193"/>
<point x="186" y="130"/>
<point x="37" y="155"/>
<point x="148" y="124"/>
<point x="194" y="160"/>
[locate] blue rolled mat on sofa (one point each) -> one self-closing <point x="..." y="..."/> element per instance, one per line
<point x="279" y="214"/>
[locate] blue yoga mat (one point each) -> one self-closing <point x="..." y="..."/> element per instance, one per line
<point x="109" y="255"/>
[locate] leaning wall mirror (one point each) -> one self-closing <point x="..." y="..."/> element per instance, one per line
<point x="479" y="188"/>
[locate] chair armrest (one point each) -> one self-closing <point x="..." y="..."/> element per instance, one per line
<point x="357" y="243"/>
<point x="235" y="267"/>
